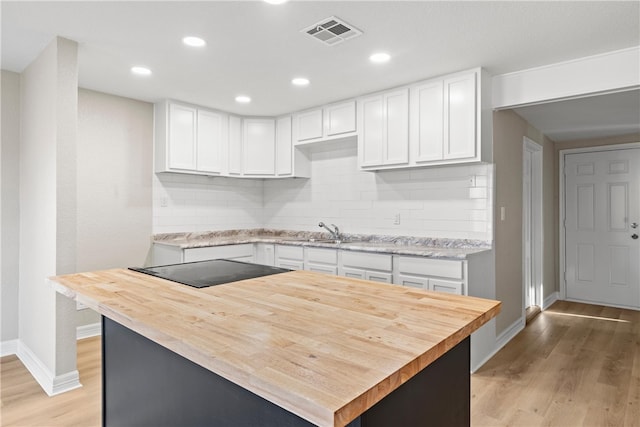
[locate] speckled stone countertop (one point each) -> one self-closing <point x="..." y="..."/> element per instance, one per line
<point x="399" y="245"/>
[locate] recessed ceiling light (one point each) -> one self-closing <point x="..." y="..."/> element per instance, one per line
<point x="193" y="41"/>
<point x="300" y="81"/>
<point x="380" y="57"/>
<point x="141" y="71"/>
<point x="243" y="99"/>
<point x="275" y="1"/>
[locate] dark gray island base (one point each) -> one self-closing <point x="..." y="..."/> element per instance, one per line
<point x="145" y="384"/>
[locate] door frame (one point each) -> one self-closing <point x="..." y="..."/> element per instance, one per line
<point x="562" y="271"/>
<point x="536" y="210"/>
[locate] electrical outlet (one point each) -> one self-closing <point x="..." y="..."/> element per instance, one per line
<point x="164" y="202"/>
<point x="396" y="219"/>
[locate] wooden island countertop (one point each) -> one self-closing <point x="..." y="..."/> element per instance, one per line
<point x="325" y="348"/>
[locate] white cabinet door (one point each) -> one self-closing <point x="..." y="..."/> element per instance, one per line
<point x="354" y="273"/>
<point x="460" y="117"/>
<point x="235" y="145"/>
<point x="379" y="276"/>
<point x="259" y="146"/>
<point x="340" y="118"/>
<point x="413" y="281"/>
<point x="182" y="137"/>
<point x="209" y="141"/>
<point x="427" y="122"/>
<point x="309" y="124"/>
<point x="448" y="286"/>
<point x="397" y="127"/>
<point x="371" y="125"/>
<point x="384" y="129"/>
<point x="284" y="147"/>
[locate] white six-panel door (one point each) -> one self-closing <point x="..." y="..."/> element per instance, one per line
<point x="602" y="213"/>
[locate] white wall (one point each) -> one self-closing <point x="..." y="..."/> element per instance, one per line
<point x="10" y="155"/>
<point x="47" y="209"/>
<point x="115" y="154"/>
<point x="444" y="202"/>
<point x="200" y="203"/>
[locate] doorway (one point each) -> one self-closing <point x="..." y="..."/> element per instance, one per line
<point x="601" y="217"/>
<point x="531" y="227"/>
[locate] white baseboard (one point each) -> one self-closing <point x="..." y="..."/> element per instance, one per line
<point x="502" y="340"/>
<point x="51" y="384"/>
<point x="88" y="331"/>
<point x="548" y="301"/>
<point x="8" y="347"/>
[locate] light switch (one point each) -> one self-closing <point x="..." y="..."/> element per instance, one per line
<point x="503" y="213"/>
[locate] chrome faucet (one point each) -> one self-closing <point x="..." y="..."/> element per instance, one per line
<point x="335" y="233"/>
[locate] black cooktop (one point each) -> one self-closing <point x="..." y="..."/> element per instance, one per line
<point x="201" y="274"/>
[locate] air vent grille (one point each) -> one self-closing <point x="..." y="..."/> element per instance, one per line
<point x="332" y="31"/>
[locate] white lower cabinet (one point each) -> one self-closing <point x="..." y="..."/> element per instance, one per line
<point x="165" y="254"/>
<point x="321" y="260"/>
<point x="431" y="274"/>
<point x="264" y="253"/>
<point x="291" y="257"/>
<point x="440" y="275"/>
<point x="360" y="265"/>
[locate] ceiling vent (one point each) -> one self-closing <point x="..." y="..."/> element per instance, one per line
<point x="332" y="31"/>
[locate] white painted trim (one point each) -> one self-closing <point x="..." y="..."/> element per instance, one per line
<point x="8" y="347"/>
<point x="88" y="331"/>
<point x="537" y="256"/>
<point x="51" y="384"/>
<point x="609" y="72"/>
<point x="503" y="339"/>
<point x="561" y="203"/>
<point x="549" y="301"/>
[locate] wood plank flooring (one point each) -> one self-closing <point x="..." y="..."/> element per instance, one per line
<point x="574" y="365"/>
<point x="24" y="403"/>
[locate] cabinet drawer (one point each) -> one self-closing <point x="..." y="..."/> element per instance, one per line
<point x="430" y="267"/>
<point x="414" y="282"/>
<point x="353" y="273"/>
<point x="326" y="269"/>
<point x="446" y="286"/>
<point x="322" y="256"/>
<point x="218" y="252"/>
<point x="290" y="252"/>
<point x="367" y="261"/>
<point x="291" y="265"/>
<point x="377" y="276"/>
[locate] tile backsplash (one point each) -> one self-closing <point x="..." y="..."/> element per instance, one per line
<point x="451" y="202"/>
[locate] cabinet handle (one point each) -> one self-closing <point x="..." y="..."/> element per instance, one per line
<point x="634" y="236"/>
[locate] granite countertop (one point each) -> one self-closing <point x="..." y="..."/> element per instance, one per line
<point x="259" y="333"/>
<point x="398" y="245"/>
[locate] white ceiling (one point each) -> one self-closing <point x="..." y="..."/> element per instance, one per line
<point x="255" y="48"/>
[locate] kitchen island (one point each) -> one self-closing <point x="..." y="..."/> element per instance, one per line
<point x="296" y="348"/>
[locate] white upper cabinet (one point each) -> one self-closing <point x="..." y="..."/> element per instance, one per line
<point x="235" y="146"/>
<point x="284" y="147"/>
<point x="209" y="141"/>
<point x="329" y="122"/>
<point x="445" y="120"/>
<point x="383" y="121"/>
<point x="188" y="139"/>
<point x="259" y="146"/>
<point x="182" y="137"/>
<point x="340" y="119"/>
<point x="309" y="125"/>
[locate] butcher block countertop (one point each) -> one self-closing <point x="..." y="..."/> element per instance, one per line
<point x="326" y="348"/>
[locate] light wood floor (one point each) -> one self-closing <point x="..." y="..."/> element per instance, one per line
<point x="574" y="365"/>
